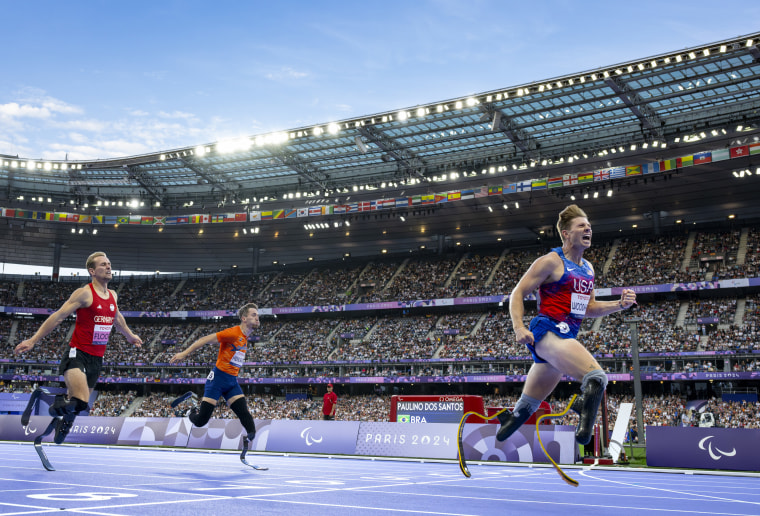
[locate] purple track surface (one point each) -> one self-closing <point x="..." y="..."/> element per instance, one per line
<point x="127" y="481"/>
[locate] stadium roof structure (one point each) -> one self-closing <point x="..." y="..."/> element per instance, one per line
<point x="646" y="111"/>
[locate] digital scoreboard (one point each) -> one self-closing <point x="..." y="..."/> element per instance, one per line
<point x="434" y="409"/>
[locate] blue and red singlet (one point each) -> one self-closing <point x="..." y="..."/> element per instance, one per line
<point x="565" y="301"/>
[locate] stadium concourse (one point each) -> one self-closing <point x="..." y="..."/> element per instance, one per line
<point x="388" y="273"/>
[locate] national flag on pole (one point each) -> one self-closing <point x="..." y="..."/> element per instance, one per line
<point x="617" y="172"/>
<point x="303" y="212"/>
<point x="39" y="215"/>
<point x="739" y="152"/>
<point x="428" y="199"/>
<point x="633" y="170"/>
<point x="720" y="155"/>
<point x="651" y="168"/>
<point x="754" y="148"/>
<point x="554" y="182"/>
<point x="523" y="186"/>
<point x="255" y="216"/>
<point x="402" y="201"/>
<point x="339" y="208"/>
<point x="327" y="210"/>
<point x="467" y="194"/>
<point x="352" y="207"/>
<point x="481" y="192"/>
<point x="135" y="219"/>
<point x="586" y="177"/>
<point x="454" y="196"/>
<point x="49" y="216"/>
<point x="510" y="188"/>
<point x="667" y="164"/>
<point x="145" y="220"/>
<point x="183" y="219"/>
<point x="315" y="210"/>
<point x="171" y="220"/>
<point x="111" y="219"/>
<point x="570" y="179"/>
<point x="439" y="198"/>
<point x="278" y="214"/>
<point x="685" y="161"/>
<point x="416" y="199"/>
<point x="266" y="215"/>
<point x="97" y="219"/>
<point x="119" y="220"/>
<point x="495" y="190"/>
<point x="702" y="157"/>
<point x="215" y="219"/>
<point x="600" y="175"/>
<point x="373" y="205"/>
<point x="538" y="184"/>
<point x="290" y="214"/>
<point x="364" y="206"/>
<point x="85" y="219"/>
<point x="158" y="221"/>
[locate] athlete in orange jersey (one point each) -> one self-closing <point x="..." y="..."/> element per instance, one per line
<point x="222" y="380"/>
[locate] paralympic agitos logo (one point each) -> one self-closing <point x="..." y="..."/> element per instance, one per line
<point x="710" y="449"/>
<point x="308" y="438"/>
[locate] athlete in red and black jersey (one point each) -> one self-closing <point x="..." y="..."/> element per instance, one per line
<point x="96" y="314"/>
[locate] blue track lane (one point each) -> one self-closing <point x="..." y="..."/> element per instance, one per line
<point x="125" y="481"/>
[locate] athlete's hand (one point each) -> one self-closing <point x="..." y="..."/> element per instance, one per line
<point x="179" y="357"/>
<point x="24" y="346"/>
<point x="627" y="298"/>
<point x="137" y="341"/>
<point x="523" y="336"/>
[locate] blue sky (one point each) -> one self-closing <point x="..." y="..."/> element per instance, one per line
<point x="102" y="79"/>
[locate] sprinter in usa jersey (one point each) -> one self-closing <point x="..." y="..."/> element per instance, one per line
<point x="565" y="284"/>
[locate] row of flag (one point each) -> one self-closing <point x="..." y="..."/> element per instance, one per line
<point x="544" y="183"/>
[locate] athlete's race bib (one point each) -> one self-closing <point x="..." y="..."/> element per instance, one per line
<point x="579" y="303"/>
<point x="210" y="375"/>
<point x="237" y="359"/>
<point x="100" y="334"/>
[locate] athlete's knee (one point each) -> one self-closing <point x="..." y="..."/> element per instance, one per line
<point x="597" y="376"/>
<point x="202" y="416"/>
<point x="512" y="421"/>
<point x="240" y="408"/>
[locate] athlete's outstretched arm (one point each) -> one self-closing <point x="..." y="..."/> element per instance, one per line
<point x="79" y="298"/>
<point x="121" y="326"/>
<point x="601" y="308"/>
<point x="195" y="345"/>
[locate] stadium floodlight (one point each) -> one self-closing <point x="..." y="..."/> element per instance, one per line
<point x="609" y="192"/>
<point x="490" y="209"/>
<point x="517" y="205"/>
<point x="596" y="195"/>
<point x="333" y="128"/>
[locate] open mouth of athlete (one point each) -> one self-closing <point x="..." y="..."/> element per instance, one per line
<point x="586" y="238"/>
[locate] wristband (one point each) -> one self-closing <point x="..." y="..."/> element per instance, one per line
<point x="620" y="302"/>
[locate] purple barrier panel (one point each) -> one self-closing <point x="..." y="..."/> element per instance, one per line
<point x="13" y="401"/>
<point x="706" y="448"/>
<point x="227" y="434"/>
<point x="479" y="443"/>
<point x="86" y="429"/>
<point x="429" y="440"/>
<point x="313" y="436"/>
